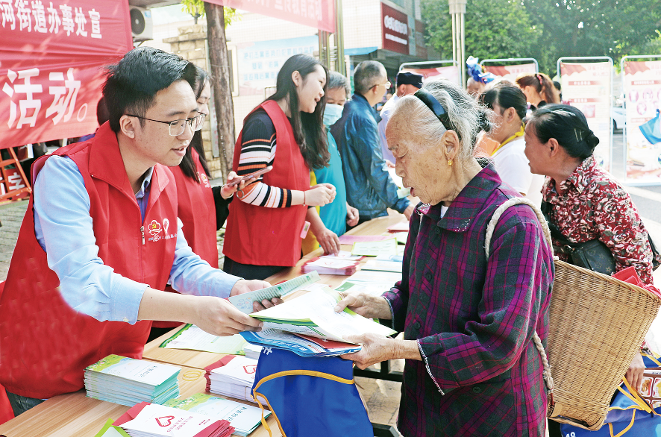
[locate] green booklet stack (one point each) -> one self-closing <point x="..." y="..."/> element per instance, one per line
<point x="127" y="381"/>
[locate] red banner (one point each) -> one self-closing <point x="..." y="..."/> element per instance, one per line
<point x="51" y="65"/>
<point x="319" y="14"/>
<point x="394" y="30"/>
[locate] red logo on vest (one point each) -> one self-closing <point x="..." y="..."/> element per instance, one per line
<point x="155" y="229"/>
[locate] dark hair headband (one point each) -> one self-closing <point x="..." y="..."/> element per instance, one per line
<point x="434" y="105"/>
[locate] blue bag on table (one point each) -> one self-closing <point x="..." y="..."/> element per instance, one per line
<point x="310" y="396"/>
<point x="628" y="416"/>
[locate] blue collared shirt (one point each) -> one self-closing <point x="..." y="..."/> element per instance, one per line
<point x="63" y="227"/>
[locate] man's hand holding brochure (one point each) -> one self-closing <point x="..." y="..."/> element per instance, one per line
<point x="298" y="323"/>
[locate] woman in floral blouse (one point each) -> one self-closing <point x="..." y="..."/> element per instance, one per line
<point x="586" y="203"/>
<point x="468" y="319"/>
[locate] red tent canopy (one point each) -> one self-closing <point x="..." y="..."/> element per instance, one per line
<point x="51" y="65"/>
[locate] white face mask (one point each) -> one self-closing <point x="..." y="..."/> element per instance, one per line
<point x="332" y="113"/>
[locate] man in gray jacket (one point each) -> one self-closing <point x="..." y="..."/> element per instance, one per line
<point x="369" y="186"/>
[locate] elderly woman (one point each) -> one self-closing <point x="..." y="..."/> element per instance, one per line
<point x="468" y="319"/>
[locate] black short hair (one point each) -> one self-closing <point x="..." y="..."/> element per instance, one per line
<point x="568" y="126"/>
<point x="133" y="82"/>
<point x="366" y="74"/>
<point x="506" y="95"/>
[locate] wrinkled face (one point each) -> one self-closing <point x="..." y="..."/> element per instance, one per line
<point x="535" y="151"/>
<point x="153" y="140"/>
<point x="422" y="167"/>
<point x="336" y="96"/>
<point x="203" y="100"/>
<point x="311" y="90"/>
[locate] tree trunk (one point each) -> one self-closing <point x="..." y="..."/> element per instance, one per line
<point x="220" y="83"/>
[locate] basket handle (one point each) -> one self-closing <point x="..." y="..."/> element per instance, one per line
<point x="548" y="379"/>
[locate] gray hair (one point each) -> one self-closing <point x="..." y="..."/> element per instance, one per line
<point x="337" y="80"/>
<point x="366" y="74"/>
<point x="467" y="117"/>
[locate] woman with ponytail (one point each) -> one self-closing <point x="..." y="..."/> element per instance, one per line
<point x="285" y="132"/>
<point x="538" y="88"/>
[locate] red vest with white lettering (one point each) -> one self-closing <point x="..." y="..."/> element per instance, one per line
<point x="45" y="344"/>
<point x="197" y="212"/>
<point x="257" y="235"/>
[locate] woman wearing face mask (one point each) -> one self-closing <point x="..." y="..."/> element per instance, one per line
<point x="264" y="229"/>
<point x="338" y="214"/>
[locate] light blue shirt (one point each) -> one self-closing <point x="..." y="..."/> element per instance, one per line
<point x="387" y="109"/>
<point x="63" y="227"/>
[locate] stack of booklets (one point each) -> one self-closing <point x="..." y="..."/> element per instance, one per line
<point x="330" y="266"/>
<point x="128" y="381"/>
<point x="252" y="351"/>
<point x="232" y="376"/>
<point x="293" y="324"/>
<point x="244" y="418"/>
<point x="151" y="420"/>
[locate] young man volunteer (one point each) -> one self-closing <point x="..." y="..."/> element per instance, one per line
<point x="101" y="239"/>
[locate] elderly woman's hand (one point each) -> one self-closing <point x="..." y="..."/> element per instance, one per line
<point x="366" y="305"/>
<point x="376" y="349"/>
<point x="635" y="373"/>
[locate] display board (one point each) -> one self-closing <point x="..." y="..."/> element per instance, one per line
<point x="587" y="85"/>
<point x="512" y="69"/>
<point x="642" y="88"/>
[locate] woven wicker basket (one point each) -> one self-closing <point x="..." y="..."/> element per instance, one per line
<point x="597" y="323"/>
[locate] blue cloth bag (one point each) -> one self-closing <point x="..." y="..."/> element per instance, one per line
<point x="625" y="418"/>
<point x="309" y="396"/>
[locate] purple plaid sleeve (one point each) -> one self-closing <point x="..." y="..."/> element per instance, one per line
<point x="473" y="317"/>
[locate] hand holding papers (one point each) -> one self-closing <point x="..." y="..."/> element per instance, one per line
<point x="243" y="302"/>
<point x="313" y="315"/>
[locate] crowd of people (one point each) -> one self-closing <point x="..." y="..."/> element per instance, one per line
<point x="128" y="246"/>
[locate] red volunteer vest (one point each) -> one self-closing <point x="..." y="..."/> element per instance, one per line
<point x="45" y="344"/>
<point x="197" y="212"/>
<point x="258" y="235"/>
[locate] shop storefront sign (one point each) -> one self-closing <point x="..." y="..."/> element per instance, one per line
<point x="394" y="30"/>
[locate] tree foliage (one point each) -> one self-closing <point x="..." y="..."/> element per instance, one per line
<point x="494" y="28"/>
<point x="549" y="29"/>
<point x="196" y="9"/>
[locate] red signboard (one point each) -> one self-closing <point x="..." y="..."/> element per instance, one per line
<point x="51" y="65"/>
<point x="394" y="30"/>
<point x="319" y="14"/>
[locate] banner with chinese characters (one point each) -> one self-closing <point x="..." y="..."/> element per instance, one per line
<point x="319" y="14"/>
<point x="587" y="86"/>
<point x="52" y="60"/>
<point x="642" y="87"/>
<point x="510" y="72"/>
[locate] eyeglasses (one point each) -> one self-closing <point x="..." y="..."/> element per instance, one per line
<point x="387" y="85"/>
<point x="434" y="105"/>
<point x="203" y="116"/>
<point x="177" y="127"/>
